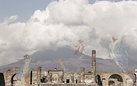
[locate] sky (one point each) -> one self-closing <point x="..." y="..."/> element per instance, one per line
<point x="24" y="9"/>
<point x="30" y="26"/>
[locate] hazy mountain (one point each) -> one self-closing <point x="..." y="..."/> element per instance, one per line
<point x="48" y="59"/>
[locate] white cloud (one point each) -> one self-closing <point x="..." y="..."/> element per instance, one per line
<point x="63" y="23"/>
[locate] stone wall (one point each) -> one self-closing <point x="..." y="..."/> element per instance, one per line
<point x="10" y="79"/>
<point x="9" y="76"/>
<point x="59" y="76"/>
<point x="88" y="78"/>
<point x="127" y="78"/>
<point x="68" y="78"/>
<point x="34" y="77"/>
<point x="56" y="76"/>
<point x="28" y="80"/>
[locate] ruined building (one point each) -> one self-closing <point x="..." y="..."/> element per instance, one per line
<point x="60" y="78"/>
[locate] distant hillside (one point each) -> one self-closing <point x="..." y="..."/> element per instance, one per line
<point x="48" y="59"/>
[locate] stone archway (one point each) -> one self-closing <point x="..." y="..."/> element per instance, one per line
<point x="98" y="79"/>
<point x="119" y="78"/>
<point x="115" y="80"/>
<point x="13" y="80"/>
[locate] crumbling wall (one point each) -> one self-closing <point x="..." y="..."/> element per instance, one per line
<point x="88" y="78"/>
<point x="28" y="80"/>
<point x="127" y="78"/>
<point x="77" y="78"/>
<point x="34" y="77"/>
<point x="43" y="78"/>
<point x="9" y="76"/>
<point x="44" y="75"/>
<point x="68" y="78"/>
<point x="56" y="76"/>
<point x="10" y="79"/>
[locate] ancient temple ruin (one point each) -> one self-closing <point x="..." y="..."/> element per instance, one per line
<point x="57" y="77"/>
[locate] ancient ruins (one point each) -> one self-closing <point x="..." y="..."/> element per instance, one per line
<point x="57" y="77"/>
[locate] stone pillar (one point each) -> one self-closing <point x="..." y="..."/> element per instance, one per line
<point x="38" y="75"/>
<point x="82" y="74"/>
<point x="93" y="71"/>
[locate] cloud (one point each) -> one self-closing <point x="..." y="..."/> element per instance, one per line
<point x="66" y="21"/>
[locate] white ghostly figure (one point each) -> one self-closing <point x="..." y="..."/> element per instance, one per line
<point x="80" y="48"/>
<point x="119" y="52"/>
<point x="24" y="69"/>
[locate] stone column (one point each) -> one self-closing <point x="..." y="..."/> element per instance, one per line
<point x="93" y="71"/>
<point x="82" y="74"/>
<point x="38" y="75"/>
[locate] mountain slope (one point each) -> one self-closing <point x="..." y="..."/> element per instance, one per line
<point x="48" y="59"/>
